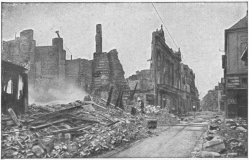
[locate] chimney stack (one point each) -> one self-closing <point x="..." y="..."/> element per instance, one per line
<point x="98" y="38"/>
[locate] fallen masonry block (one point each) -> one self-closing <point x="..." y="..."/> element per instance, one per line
<point x="215" y="147"/>
<point x="13" y="116"/>
<point x="37" y="150"/>
<point x="241" y="129"/>
<point x="206" y="154"/>
<point x="232" y="155"/>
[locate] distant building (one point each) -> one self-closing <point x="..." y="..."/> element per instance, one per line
<point x="210" y="100"/>
<point x="235" y="70"/>
<point x="144" y="89"/>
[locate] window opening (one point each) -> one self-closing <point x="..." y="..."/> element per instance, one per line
<point x="9" y="87"/>
<point x="20" y="87"/>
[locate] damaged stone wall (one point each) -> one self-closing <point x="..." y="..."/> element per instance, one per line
<point x="117" y="73"/>
<point x="79" y="72"/>
<point x="20" y="50"/>
<point x="46" y="63"/>
<point x="107" y="71"/>
<point x="47" y="66"/>
<point x="144" y="88"/>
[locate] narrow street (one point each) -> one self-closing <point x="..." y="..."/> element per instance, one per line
<point x="124" y="80"/>
<point x="176" y="141"/>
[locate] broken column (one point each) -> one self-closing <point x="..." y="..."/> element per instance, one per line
<point x="98" y="38"/>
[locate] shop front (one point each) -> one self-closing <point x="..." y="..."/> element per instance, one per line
<point x="237" y="103"/>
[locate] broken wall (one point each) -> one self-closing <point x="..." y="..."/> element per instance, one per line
<point x="46" y="62"/>
<point x="117" y="75"/>
<point x="79" y="72"/>
<point x="20" y="50"/>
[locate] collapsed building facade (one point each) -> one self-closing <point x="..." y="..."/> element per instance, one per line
<point x="169" y="83"/>
<point x="235" y="70"/>
<point x="48" y="65"/>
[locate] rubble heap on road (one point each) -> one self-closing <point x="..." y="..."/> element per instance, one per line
<point x="79" y="129"/>
<point x="224" y="139"/>
<point x="63" y="131"/>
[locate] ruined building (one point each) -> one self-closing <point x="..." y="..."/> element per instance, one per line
<point x="48" y="64"/>
<point x="14" y="88"/>
<point x="107" y="70"/>
<point x="144" y="89"/>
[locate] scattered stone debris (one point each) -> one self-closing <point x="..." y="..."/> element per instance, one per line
<point x="74" y="130"/>
<point x="224" y="140"/>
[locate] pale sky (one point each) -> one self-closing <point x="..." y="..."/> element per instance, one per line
<point x="197" y="28"/>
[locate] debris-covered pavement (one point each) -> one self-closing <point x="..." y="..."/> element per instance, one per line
<point x="227" y="139"/>
<point x="74" y="130"/>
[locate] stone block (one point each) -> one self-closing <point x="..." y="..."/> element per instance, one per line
<point x="214" y="145"/>
<point x="205" y="154"/>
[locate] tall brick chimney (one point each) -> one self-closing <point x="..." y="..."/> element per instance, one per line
<point x="98" y="38"/>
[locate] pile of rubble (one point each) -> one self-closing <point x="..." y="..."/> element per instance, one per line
<point x="224" y="139"/>
<point x="79" y="129"/>
<point x="162" y="116"/>
<point x="152" y="109"/>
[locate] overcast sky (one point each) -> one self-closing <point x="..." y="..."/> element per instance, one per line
<point x="197" y="28"/>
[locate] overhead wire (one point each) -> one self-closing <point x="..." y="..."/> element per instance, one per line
<point x="67" y="48"/>
<point x="164" y="24"/>
<point x="167" y="29"/>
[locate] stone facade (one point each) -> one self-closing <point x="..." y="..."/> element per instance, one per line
<point x="168" y="83"/>
<point x="235" y="72"/>
<point x="173" y="82"/>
